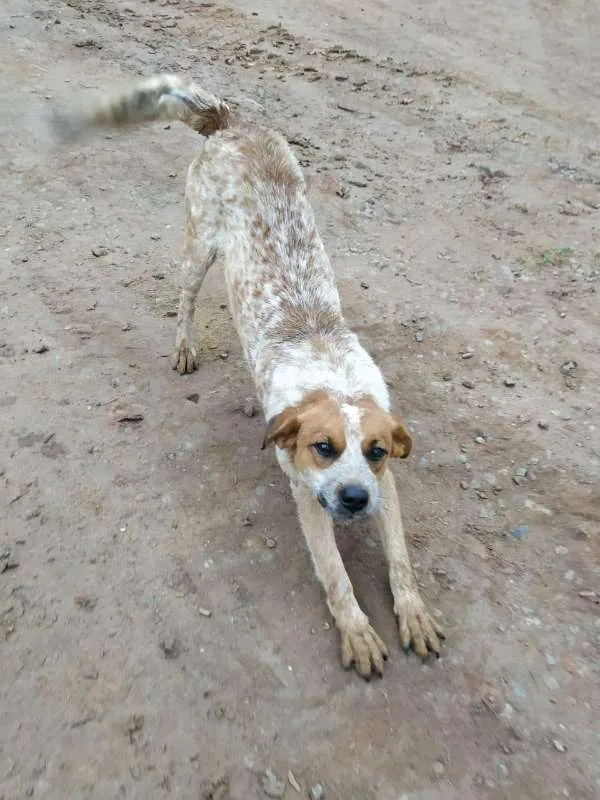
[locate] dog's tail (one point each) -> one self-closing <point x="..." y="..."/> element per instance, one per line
<point x="164" y="97"/>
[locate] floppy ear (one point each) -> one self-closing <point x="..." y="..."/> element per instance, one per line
<point x="401" y="440"/>
<point x="283" y="429"/>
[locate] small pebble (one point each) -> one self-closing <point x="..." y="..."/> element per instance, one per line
<point x="464" y="484"/>
<point x="467" y="354"/>
<point x="87" y="602"/>
<point x="519" y="532"/>
<point x="224" y="356"/>
<point x="249" y="409"/>
<point x="293" y="782"/>
<point x="568" y="367"/>
<point x="468" y="384"/>
<point x="134" y="724"/>
<point x="419" y="337"/>
<point x="271" y="543"/>
<point x="510" y="382"/>
<point x="479" y="440"/>
<point x="561" y="550"/>
<point x="364" y="284"/>
<point x="8" y="560"/>
<point x="171" y="647"/>
<point x="558" y="745"/>
<point x="519" y="475"/>
<point x="438" y="768"/>
<point x="90" y="673"/>
<point x="317" y="792"/>
<point x="40" y="348"/>
<point x="271" y="785"/>
<point x="127" y="412"/>
<point x="99" y="251"/>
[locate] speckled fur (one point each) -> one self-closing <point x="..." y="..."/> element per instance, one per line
<point x="246" y="205"/>
<point x="246" y="200"/>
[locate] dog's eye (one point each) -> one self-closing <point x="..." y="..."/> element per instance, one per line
<point x="376" y="453"/>
<point x="324" y="449"/>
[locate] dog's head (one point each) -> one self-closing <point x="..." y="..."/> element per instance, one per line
<point x="338" y="449"/>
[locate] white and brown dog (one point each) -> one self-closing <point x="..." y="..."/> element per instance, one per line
<point x="324" y="399"/>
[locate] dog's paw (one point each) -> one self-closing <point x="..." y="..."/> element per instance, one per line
<point x="185" y="358"/>
<point x="365" y="650"/>
<point x="418" y="629"/>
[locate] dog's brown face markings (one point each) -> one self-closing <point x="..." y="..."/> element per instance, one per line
<point x="350" y="441"/>
<point x="382" y="431"/>
<point x="299" y="429"/>
<point x="319" y="418"/>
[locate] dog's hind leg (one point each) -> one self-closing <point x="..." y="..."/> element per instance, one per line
<point x="199" y="255"/>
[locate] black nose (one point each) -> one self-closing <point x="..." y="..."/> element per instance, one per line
<point x="353" y="498"/>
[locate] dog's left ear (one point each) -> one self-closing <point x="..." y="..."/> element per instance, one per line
<point x="283" y="429"/>
<point x="401" y="440"/>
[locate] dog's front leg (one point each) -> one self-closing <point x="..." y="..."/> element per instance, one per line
<point x="360" y="644"/>
<point x="417" y="627"/>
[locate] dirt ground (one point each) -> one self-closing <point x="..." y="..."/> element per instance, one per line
<point x="161" y="630"/>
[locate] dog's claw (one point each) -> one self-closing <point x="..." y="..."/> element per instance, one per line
<point x="417" y="628"/>
<point x="365" y="650"/>
<point x="184" y="359"/>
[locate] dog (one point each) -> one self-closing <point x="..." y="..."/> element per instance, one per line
<point x="325" y="401"/>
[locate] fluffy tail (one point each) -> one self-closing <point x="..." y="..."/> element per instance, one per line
<point x="164" y="97"/>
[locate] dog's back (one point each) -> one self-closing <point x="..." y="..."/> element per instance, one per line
<point x="245" y="201"/>
<point x="246" y="194"/>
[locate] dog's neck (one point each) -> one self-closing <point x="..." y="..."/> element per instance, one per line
<point x="335" y="362"/>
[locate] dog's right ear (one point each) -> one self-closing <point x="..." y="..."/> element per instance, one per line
<point x="283" y="429"/>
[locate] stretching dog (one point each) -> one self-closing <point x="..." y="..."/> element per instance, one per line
<point x="324" y="399"/>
